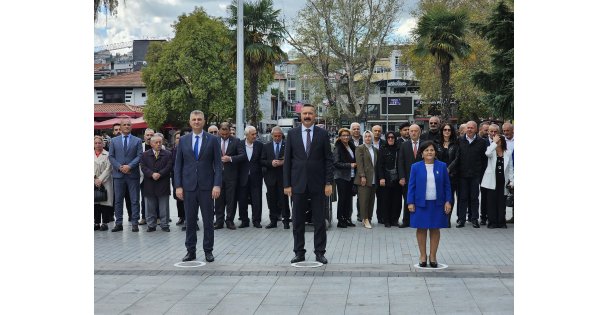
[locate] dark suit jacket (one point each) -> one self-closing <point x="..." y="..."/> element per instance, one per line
<point x="272" y="175"/>
<point x="342" y="161"/>
<point x="235" y="151"/>
<point x="251" y="167"/>
<point x="406" y="159"/>
<point x="163" y="166"/>
<point x="315" y="170"/>
<point x="416" y="193"/>
<point x="118" y="157"/>
<point x="204" y="173"/>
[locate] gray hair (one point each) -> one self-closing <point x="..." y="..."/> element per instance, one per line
<point x="248" y="129"/>
<point x="197" y="113"/>
<point x="276" y="128"/>
<point x="149" y="129"/>
<point x="160" y="135"/>
<point x="156" y="136"/>
<point x="353" y="124"/>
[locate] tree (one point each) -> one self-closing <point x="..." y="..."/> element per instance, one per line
<point x="108" y="6"/>
<point x="263" y="34"/>
<point x="190" y="72"/>
<point x="343" y="38"/>
<point x="440" y="33"/>
<point x="498" y="83"/>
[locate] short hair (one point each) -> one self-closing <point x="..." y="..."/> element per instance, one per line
<point x="276" y="128"/>
<point x="149" y="129"/>
<point x="404" y="124"/>
<point x="213" y="126"/>
<point x="248" y="129"/>
<point x="176" y="134"/>
<point x="156" y="136"/>
<point x="472" y="122"/>
<point x="115" y="124"/>
<point x="309" y="105"/>
<point x="98" y="137"/>
<point x="197" y="113"/>
<point x="225" y="125"/>
<point x="159" y="134"/>
<point x="495" y="125"/>
<point x="124" y="117"/>
<point x="343" y="130"/>
<point x="484" y="123"/>
<point x="427" y="144"/>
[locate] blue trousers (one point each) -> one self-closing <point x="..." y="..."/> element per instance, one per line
<point x="123" y="186"/>
<point x="193" y="200"/>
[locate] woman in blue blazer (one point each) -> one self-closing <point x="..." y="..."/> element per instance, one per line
<point x="429" y="201"/>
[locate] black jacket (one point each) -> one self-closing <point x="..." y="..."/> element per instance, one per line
<point x="342" y="161"/>
<point x="272" y="175"/>
<point x="471" y="158"/>
<point x="387" y="161"/>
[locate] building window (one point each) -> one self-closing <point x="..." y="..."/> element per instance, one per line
<point x="291" y="95"/>
<point x="291" y="83"/>
<point x="305" y="95"/>
<point x="397" y="62"/>
<point x="143" y="94"/>
<point x="114" y="95"/>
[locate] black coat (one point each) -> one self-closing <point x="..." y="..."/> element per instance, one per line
<point x="238" y="155"/>
<point x="428" y="135"/>
<point x="252" y="167"/>
<point x="406" y="158"/>
<point x="342" y="161"/>
<point x="387" y="161"/>
<point x="272" y="175"/>
<point x="471" y="158"/>
<point x="163" y="165"/>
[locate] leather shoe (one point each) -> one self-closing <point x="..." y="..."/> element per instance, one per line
<point x="166" y="229"/>
<point x="475" y="224"/>
<point x="180" y="221"/>
<point x="209" y="257"/>
<point x="244" y="225"/>
<point x="483" y="222"/>
<point x="387" y="224"/>
<point x="218" y="226"/>
<point x="297" y="259"/>
<point x="321" y="259"/>
<point x="286" y="225"/>
<point x="96" y="227"/>
<point x="433" y="264"/>
<point x="350" y="223"/>
<point x="342" y="225"/>
<point x="230" y="225"/>
<point x="189" y="256"/>
<point x="271" y="225"/>
<point x="257" y="225"/>
<point x="151" y="229"/>
<point x="134" y="228"/>
<point x="459" y="224"/>
<point x="103" y="227"/>
<point x="117" y="227"/>
<point x="403" y="225"/>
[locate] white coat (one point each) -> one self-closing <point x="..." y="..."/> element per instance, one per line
<point x="489" y="176"/>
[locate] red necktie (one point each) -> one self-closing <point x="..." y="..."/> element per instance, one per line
<point x="415" y="148"/>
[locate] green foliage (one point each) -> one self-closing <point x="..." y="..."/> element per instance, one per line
<point x="190" y="72"/>
<point x="105" y="6"/>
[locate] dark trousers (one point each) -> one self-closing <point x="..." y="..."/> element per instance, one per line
<point x="381" y="203"/>
<point x="345" y="199"/>
<point x="496" y="205"/>
<point x="193" y="200"/>
<point x="453" y="187"/>
<point x="103" y="214"/>
<point x="392" y="203"/>
<point x="483" y="203"/>
<point x="252" y="191"/>
<point x="180" y="208"/>
<point x="225" y="205"/>
<point x="468" y="198"/>
<point x="406" y="212"/>
<point x="122" y="187"/>
<point x="300" y="203"/>
<point x="278" y="204"/>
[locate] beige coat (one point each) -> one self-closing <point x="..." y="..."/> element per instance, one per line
<point x="103" y="171"/>
<point x="365" y="167"/>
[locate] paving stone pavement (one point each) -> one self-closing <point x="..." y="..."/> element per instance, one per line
<point x="369" y="272"/>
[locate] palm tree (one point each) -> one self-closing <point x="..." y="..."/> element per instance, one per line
<point x="263" y="33"/>
<point x="440" y="33"/>
<point x="109" y="6"/>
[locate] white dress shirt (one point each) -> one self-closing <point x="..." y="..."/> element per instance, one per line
<point x="200" y="141"/>
<point x="431" y="190"/>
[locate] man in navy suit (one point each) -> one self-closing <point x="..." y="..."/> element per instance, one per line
<point x="272" y="160"/>
<point x="408" y="155"/>
<point x="250" y="179"/>
<point x="308" y="173"/>
<point x="198" y="180"/>
<point x="125" y="153"/>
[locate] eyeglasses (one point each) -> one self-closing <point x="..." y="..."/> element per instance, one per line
<point x="213" y="132"/>
<point x="447" y="129"/>
<point x="391" y="137"/>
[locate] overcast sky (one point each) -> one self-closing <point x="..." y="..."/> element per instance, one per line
<point x="141" y="19"/>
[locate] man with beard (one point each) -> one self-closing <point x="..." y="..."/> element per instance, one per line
<point x="434" y="133"/>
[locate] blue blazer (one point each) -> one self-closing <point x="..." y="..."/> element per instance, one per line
<point x="118" y="156"/>
<point x="192" y="174"/>
<point x="416" y="193"/>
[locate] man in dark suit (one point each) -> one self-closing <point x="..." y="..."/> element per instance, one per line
<point x="156" y="165"/>
<point x="308" y="174"/>
<point x="125" y="153"/>
<point x="198" y="180"/>
<point x="272" y="162"/>
<point x="404" y="131"/>
<point x="232" y="152"/>
<point x="408" y="155"/>
<point x="250" y="179"/>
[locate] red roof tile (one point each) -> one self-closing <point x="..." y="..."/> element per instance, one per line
<point x="131" y="79"/>
<point x="117" y="108"/>
<point x="100" y="66"/>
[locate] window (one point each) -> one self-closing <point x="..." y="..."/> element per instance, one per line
<point x="397" y="61"/>
<point x="291" y="95"/>
<point x="114" y="95"/>
<point x="305" y="95"/>
<point x="291" y="83"/>
<point x="143" y="94"/>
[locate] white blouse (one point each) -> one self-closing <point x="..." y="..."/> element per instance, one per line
<point x="431" y="190"/>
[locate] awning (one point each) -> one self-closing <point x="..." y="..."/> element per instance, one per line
<point x="136" y="123"/>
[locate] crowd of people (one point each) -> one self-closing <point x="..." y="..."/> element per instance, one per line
<point x="402" y="174"/>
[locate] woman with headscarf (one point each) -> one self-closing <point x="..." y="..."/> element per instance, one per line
<point x="345" y="164"/>
<point x="389" y="179"/>
<point x="429" y="201"/>
<point x="366" y="156"/>
<point x="104" y="210"/>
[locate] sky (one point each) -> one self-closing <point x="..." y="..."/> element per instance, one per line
<point x="152" y="19"/>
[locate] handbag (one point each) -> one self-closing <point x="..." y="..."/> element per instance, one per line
<point x="393" y="176"/>
<point x="510" y="202"/>
<point x="101" y="194"/>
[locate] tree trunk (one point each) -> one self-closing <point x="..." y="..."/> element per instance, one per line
<point x="253" y="106"/>
<point x="446" y="92"/>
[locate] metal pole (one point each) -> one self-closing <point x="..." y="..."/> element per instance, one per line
<point x="386" y="105"/>
<point x="279" y="103"/>
<point x="240" y="73"/>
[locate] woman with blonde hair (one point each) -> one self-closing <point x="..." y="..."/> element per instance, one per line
<point x="366" y="179"/>
<point x="104" y="211"/>
<point x="346" y="166"/>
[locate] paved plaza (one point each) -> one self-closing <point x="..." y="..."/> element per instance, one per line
<point x="369" y="272"/>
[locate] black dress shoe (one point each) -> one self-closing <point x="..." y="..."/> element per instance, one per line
<point x="342" y="225"/>
<point x="433" y="264"/>
<point x="387" y="224"/>
<point x="395" y="223"/>
<point x="117" y="227"/>
<point x="475" y="224"/>
<point x="350" y="223"/>
<point x="297" y="259"/>
<point x="190" y="256"/>
<point x="96" y="227"/>
<point x="483" y="222"/>
<point x="380" y="221"/>
<point x="257" y="225"/>
<point x="103" y="227"/>
<point x="244" y="225"/>
<point x="180" y="221"/>
<point x="321" y="259"/>
<point x="423" y="263"/>
<point x="218" y="226"/>
<point x="404" y="225"/>
<point x="491" y="226"/>
<point x="271" y="225"/>
<point x="286" y="225"/>
<point x="151" y="229"/>
<point x="134" y="228"/>
<point x="166" y="229"/>
<point x="459" y="224"/>
<point x="209" y="257"/>
<point x="230" y="225"/>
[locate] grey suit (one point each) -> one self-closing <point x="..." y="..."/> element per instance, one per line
<point x="119" y="155"/>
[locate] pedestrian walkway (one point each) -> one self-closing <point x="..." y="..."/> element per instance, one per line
<point x="369" y="272"/>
